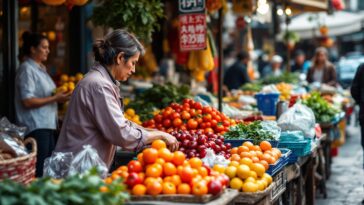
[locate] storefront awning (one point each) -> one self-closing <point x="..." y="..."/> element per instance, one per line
<point x="339" y="23"/>
<point x="299" y="6"/>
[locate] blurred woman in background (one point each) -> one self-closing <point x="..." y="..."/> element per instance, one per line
<point x="322" y="70"/>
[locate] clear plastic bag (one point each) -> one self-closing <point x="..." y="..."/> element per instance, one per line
<point x="211" y="159"/>
<point x="11" y="129"/>
<point x="58" y="165"/>
<point x="87" y="159"/>
<point x="298" y="117"/>
<point x="11" y="146"/>
<point x="272" y="128"/>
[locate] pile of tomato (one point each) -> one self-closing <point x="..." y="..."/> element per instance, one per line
<point x="159" y="171"/>
<point x="190" y="115"/>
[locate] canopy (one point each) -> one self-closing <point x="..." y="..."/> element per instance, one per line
<point x="299" y="6"/>
<point x="339" y="23"/>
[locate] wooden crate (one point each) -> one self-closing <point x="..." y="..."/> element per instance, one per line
<point x="261" y="197"/>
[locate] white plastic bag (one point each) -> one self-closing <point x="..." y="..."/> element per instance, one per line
<point x="211" y="159"/>
<point x="58" y="165"/>
<point x="298" y="117"/>
<point x="272" y="128"/>
<point x="87" y="159"/>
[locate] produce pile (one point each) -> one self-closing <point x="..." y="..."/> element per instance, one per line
<point x="68" y="83"/>
<point x="251" y="88"/>
<point x="76" y="190"/>
<point x="194" y="144"/>
<point x="286" y="77"/>
<point x="157" y="97"/>
<point x="285" y="90"/>
<point x="159" y="171"/>
<point x="132" y="116"/>
<point x="324" y="112"/>
<point x="253" y="131"/>
<point x="190" y="115"/>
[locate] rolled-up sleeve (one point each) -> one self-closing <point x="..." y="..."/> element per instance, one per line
<point x="26" y="84"/>
<point x="111" y="122"/>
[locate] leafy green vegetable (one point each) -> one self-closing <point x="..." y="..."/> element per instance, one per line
<point x="323" y="111"/>
<point x="253" y="131"/>
<point x="286" y="77"/>
<point x="255" y="87"/>
<point x="74" y="190"/>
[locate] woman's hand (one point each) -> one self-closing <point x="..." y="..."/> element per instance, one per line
<point x="62" y="97"/>
<point x="171" y="141"/>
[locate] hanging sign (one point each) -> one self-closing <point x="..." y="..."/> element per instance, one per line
<point x="192" y="25"/>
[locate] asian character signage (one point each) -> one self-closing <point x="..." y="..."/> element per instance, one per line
<point x="192" y="25"/>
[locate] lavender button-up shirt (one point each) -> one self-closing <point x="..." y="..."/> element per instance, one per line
<point x="95" y="117"/>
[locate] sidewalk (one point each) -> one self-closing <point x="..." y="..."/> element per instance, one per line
<point x="346" y="183"/>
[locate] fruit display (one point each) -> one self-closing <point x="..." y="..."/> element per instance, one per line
<point x="251" y="88"/>
<point x="157" y="97"/>
<point x="68" y="83"/>
<point x="248" y="166"/>
<point x="194" y="144"/>
<point x="158" y="171"/>
<point x="323" y="111"/>
<point x="132" y="116"/>
<point x="285" y="90"/>
<point x="190" y="115"/>
<point x="253" y="131"/>
<point x="87" y="188"/>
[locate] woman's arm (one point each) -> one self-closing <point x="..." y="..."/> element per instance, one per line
<point x="39" y="102"/>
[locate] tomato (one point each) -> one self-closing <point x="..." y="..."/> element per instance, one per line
<point x="193" y="112"/>
<point x="185" y="106"/>
<point x="174" y="105"/>
<point x="209" y="130"/>
<point x="134" y="166"/>
<point x="200" y="188"/>
<point x="220" y="128"/>
<point x="197" y="105"/>
<point x="202" y="125"/>
<point x="166" y="113"/>
<point x="187" y="101"/>
<point x="207" y="118"/>
<point x="175" y="115"/>
<point x="192" y="124"/>
<point x="167" y="123"/>
<point x="199" y="120"/>
<point x="183" y="127"/>
<point x="217" y="118"/>
<point x="199" y="112"/>
<point x="208" y="124"/>
<point x="186" y="115"/>
<point x="226" y="123"/>
<point x="159" y="126"/>
<point x="187" y="174"/>
<point x="213" y="123"/>
<point x="206" y="110"/>
<point x="177" y="122"/>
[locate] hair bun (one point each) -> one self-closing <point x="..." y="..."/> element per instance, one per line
<point x="26" y="36"/>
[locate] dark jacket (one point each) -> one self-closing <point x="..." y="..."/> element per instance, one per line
<point x="328" y="77"/>
<point x="357" y="90"/>
<point x="236" y="76"/>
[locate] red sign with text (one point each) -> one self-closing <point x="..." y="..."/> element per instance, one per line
<point x="192" y="31"/>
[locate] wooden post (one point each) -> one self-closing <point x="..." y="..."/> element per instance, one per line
<point x="220" y="66"/>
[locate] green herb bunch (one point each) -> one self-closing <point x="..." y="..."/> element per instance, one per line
<point x="253" y="131"/>
<point x="323" y="111"/>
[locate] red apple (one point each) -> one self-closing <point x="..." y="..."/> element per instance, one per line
<point x="215" y="187"/>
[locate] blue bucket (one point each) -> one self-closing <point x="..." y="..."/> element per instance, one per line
<point x="267" y="103"/>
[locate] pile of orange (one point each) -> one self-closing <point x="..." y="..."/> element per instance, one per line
<point x="159" y="171"/>
<point x="248" y="165"/>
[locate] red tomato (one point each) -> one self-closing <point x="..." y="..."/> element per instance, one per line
<point x="209" y="130"/>
<point x="187" y="101"/>
<point x="220" y="128"/>
<point x="213" y="123"/>
<point x="193" y="112"/>
<point x="206" y="110"/>
<point x="207" y="118"/>
<point x="175" y="115"/>
<point x="197" y="105"/>
<point x="226" y="123"/>
<point x="217" y="118"/>
<point x="158" y="118"/>
<point x="177" y="122"/>
<point x="202" y="125"/>
<point x="192" y="124"/>
<point x="166" y="113"/>
<point x="134" y="166"/>
<point x="199" y="112"/>
<point x="199" y="120"/>
<point x="208" y="124"/>
<point x="167" y="123"/>
<point x="186" y="115"/>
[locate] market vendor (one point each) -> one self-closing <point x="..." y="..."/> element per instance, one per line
<point x="95" y="112"/>
<point x="35" y="105"/>
<point x="322" y="70"/>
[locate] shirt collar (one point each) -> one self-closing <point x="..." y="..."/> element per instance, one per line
<point x="35" y="64"/>
<point x="98" y="67"/>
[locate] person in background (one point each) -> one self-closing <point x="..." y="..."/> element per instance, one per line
<point x="300" y="64"/>
<point x="237" y="75"/>
<point x="274" y="68"/>
<point x="95" y="112"/>
<point x="357" y="92"/>
<point x="35" y="106"/>
<point x="263" y="61"/>
<point x="321" y="71"/>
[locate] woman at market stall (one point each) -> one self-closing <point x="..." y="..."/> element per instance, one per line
<point x="35" y="106"/>
<point x="95" y="112"/>
<point x="322" y="70"/>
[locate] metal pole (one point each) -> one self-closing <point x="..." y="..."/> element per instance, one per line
<point x="220" y="66"/>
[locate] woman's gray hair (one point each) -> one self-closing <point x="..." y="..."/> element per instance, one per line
<point x="112" y="44"/>
<point x="321" y="50"/>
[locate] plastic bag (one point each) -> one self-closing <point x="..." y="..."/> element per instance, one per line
<point x="11" y="147"/>
<point x="298" y="117"/>
<point x="272" y="128"/>
<point x="211" y="159"/>
<point x="11" y="129"/>
<point x="58" y="165"/>
<point x="87" y="159"/>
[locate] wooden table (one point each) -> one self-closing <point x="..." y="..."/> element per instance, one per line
<point x="225" y="199"/>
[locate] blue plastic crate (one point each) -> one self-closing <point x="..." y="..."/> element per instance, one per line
<point x="280" y="163"/>
<point x="239" y="142"/>
<point x="298" y="148"/>
<point x="267" y="102"/>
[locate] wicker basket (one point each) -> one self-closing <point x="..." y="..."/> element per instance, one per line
<point x="20" y="169"/>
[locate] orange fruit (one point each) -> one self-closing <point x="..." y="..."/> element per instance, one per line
<point x="267" y="177"/>
<point x="263" y="181"/>
<point x="273" y="160"/>
<point x="153" y="171"/>
<point x="235" y="157"/>
<point x="265" y="164"/>
<point x="256" y="148"/>
<point x="246" y="161"/>
<point x="124" y="168"/>
<point x="219" y="168"/>
<point x="275" y="155"/>
<point x="249" y="145"/>
<point x="277" y="151"/>
<point x="243" y="171"/>
<point x="183" y="189"/>
<point x="149" y="180"/>
<point x="253" y="153"/>
<point x="234" y="150"/>
<point x="255" y="159"/>
<point x="169" y="169"/>
<point x="124" y="175"/>
<point x="259" y="154"/>
<point x="167" y="179"/>
<point x="250" y="179"/>
<point x="165" y="154"/>
<point x="154" y="188"/>
<point x="187" y="174"/>
<point x="139" y="190"/>
<point x="200" y="188"/>
<point x="265" y="145"/>
<point x="258" y="168"/>
<point x="115" y="176"/>
<point x="230" y="171"/>
<point x="104" y="189"/>
<point x="243" y="149"/>
<point x="195" y="162"/>
<point x="158" y="144"/>
<point x="260" y="184"/>
<point x="245" y="154"/>
<point x="250" y="187"/>
<point x="203" y="171"/>
<point x="150" y="155"/>
<point x="267" y="158"/>
<point x="140" y="158"/>
<point x="141" y="175"/>
<point x="178" y="158"/>
<point x="236" y="183"/>
<point x="234" y="163"/>
<point x="253" y="174"/>
<point x="176" y="180"/>
<point x="169" y="188"/>
<point x="160" y="161"/>
<point x="108" y="180"/>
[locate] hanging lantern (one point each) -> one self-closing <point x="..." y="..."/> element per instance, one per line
<point x="54" y="2"/>
<point x="338" y="4"/>
<point x="51" y="35"/>
<point x="324" y="30"/>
